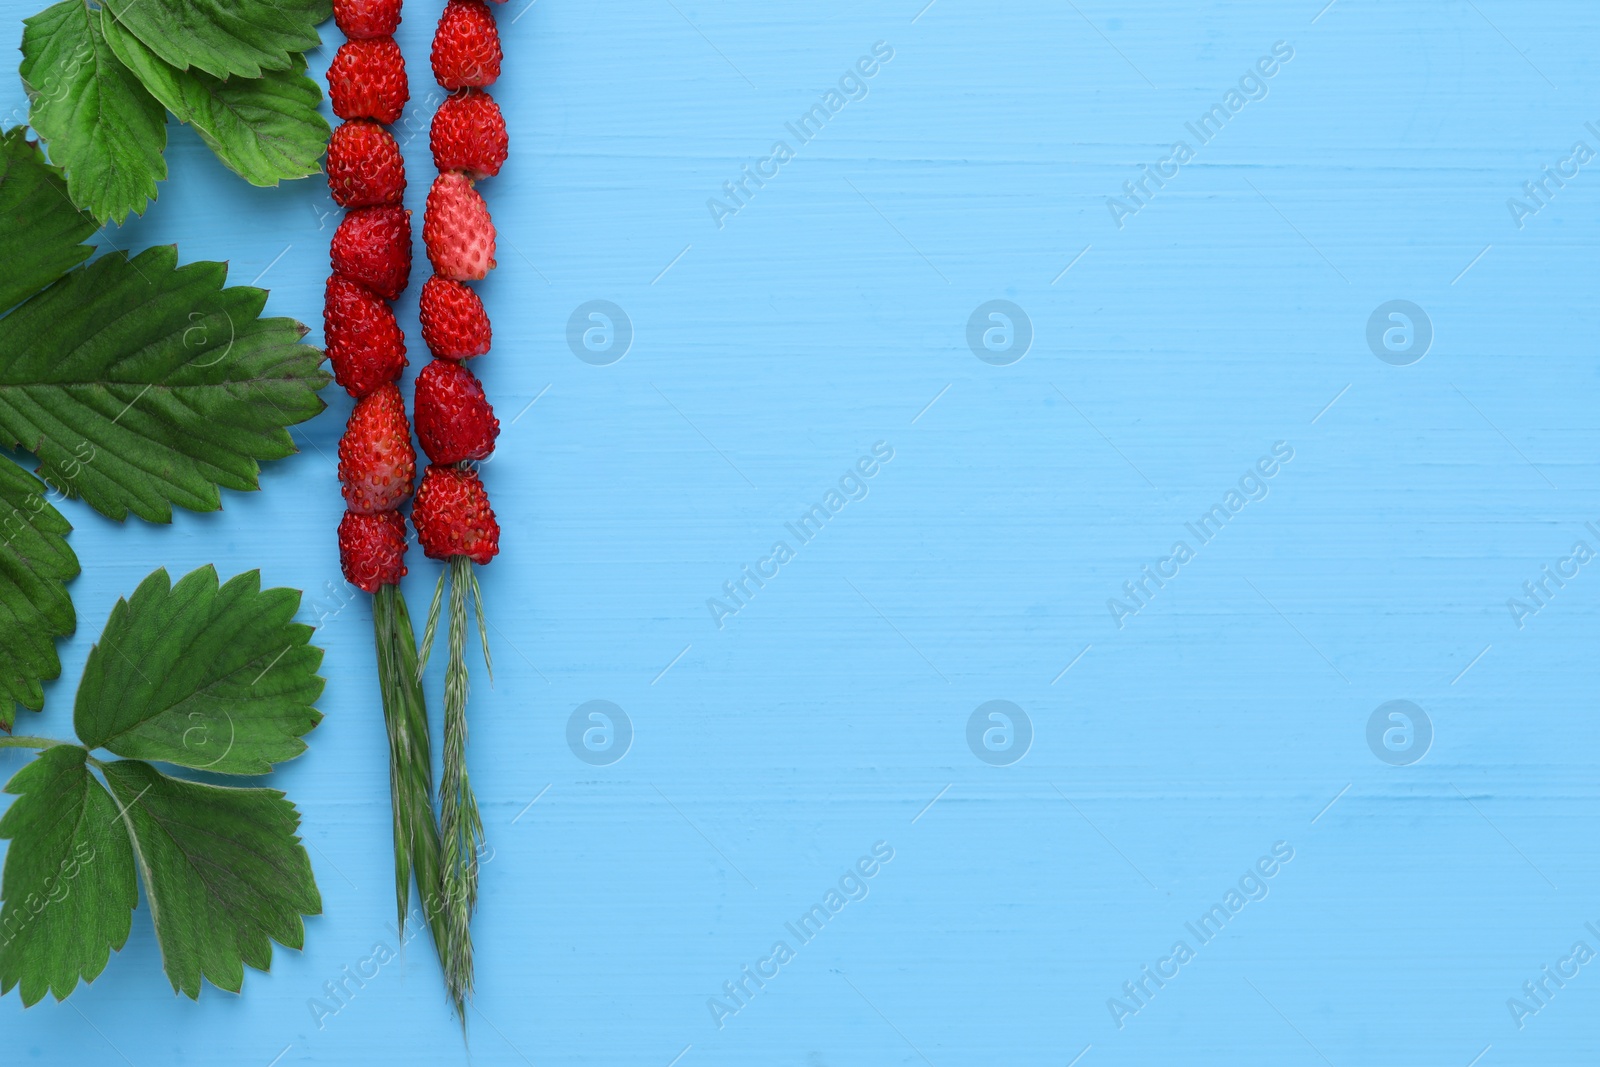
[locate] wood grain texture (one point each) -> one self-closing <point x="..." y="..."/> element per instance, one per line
<point x="768" y="355"/>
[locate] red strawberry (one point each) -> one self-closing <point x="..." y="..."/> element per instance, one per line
<point x="466" y="46"/>
<point x="376" y="461"/>
<point x="367" y="80"/>
<point x="453" y="517"/>
<point x="454" y="325"/>
<point x="373" y="246"/>
<point x="364" y="342"/>
<point x="457" y="229"/>
<point x="366" y="18"/>
<point x="372" y="549"/>
<point x="454" y="419"/>
<point x="469" y="134"/>
<point x="364" y="165"/>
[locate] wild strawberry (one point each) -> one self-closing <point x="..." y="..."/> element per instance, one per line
<point x="454" y="419"/>
<point x="376" y="461"/>
<point x="469" y="134"/>
<point x="367" y="80"/>
<point x="373" y="246"/>
<point x="364" y="342"/>
<point x="364" y="165"/>
<point x="454" y="324"/>
<point x="372" y="549"/>
<point x="457" y="229"/>
<point x="466" y="46"/>
<point x="453" y="517"/>
<point x="366" y="18"/>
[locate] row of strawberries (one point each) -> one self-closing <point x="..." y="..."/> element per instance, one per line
<point x="371" y="258"/>
<point x="452" y="514"/>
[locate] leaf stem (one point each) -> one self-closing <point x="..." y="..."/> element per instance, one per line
<point x="22" y="741"/>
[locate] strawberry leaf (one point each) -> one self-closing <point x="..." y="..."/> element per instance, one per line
<point x="105" y="131"/>
<point x="41" y="233"/>
<point x="265" y="129"/>
<point x="223" y="869"/>
<point x="69" y="883"/>
<point x="141" y="384"/>
<point x="218" y="679"/>
<point x="224" y="37"/>
<point x="35" y="563"/>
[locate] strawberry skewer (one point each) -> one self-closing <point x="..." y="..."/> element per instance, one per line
<point x="371" y="258"/>
<point x="455" y="422"/>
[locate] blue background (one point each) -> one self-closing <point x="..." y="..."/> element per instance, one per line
<point x="828" y="314"/>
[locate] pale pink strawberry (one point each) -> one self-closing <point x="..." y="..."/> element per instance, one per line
<point x="457" y="229"/>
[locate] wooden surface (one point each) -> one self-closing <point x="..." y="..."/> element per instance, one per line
<point x="769" y="354"/>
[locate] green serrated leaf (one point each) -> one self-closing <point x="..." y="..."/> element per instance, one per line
<point x="41" y="233"/>
<point x="141" y="384"/>
<point x="69" y="884"/>
<point x="35" y="609"/>
<point x="223" y="870"/>
<point x="224" y="37"/>
<point x="219" y="679"/>
<point x="104" y="129"/>
<point x="265" y="129"/>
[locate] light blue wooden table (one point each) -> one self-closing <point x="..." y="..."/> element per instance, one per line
<point x="1193" y="739"/>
